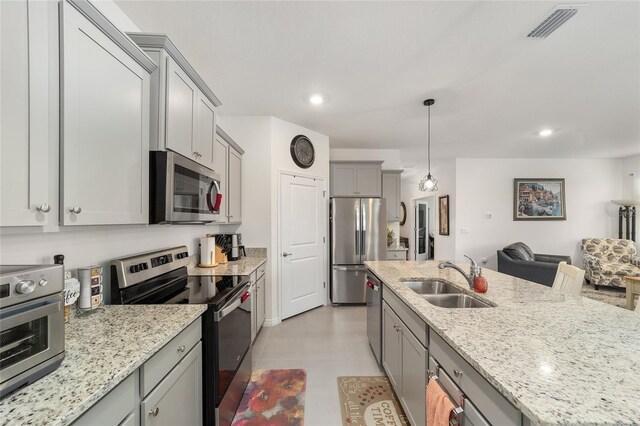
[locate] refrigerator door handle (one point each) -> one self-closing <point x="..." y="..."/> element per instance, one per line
<point x="357" y="236"/>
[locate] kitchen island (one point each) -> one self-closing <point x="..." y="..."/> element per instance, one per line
<point x="102" y="350"/>
<point x="559" y="359"/>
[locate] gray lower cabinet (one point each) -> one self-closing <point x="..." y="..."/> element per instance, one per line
<point x="105" y="100"/>
<point x="404" y="359"/>
<point x="489" y="402"/>
<point x="177" y="400"/>
<point x="258" y="299"/>
<point x="24" y="97"/>
<point x="116" y="408"/>
<point x="391" y="346"/>
<point x="260" y="303"/>
<point x="165" y="390"/>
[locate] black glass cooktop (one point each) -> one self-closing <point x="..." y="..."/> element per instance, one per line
<point x="177" y="287"/>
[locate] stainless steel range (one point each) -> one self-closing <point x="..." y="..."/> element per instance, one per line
<point x="161" y="277"/>
<point x="31" y="323"/>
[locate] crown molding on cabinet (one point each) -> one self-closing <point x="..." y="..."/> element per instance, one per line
<point x="162" y="41"/>
<point x="111" y="31"/>
<point x="225" y="137"/>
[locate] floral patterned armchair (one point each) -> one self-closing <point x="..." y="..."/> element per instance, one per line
<point x="607" y="261"/>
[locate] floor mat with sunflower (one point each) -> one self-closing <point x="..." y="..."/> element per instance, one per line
<point x="273" y="397"/>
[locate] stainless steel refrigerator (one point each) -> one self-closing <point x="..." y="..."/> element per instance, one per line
<point x="358" y="234"/>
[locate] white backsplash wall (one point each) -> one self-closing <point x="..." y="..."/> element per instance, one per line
<point x="84" y="246"/>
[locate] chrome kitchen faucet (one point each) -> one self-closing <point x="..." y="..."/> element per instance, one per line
<point x="474" y="270"/>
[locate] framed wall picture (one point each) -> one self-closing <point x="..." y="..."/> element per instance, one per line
<point x="539" y="199"/>
<point x="443" y="215"/>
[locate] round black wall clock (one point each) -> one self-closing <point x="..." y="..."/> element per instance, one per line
<point x="302" y="151"/>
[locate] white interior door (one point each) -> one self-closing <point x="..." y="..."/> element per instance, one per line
<point x="302" y="233"/>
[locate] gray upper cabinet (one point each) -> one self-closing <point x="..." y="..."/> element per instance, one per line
<point x="205" y="140"/>
<point x="24" y="97"/>
<point x="234" y="187"/>
<point x="182" y="101"/>
<point x="356" y="179"/>
<point x="228" y="164"/>
<point x="391" y="185"/>
<point x="221" y="159"/>
<point x="183" y="107"/>
<point x="105" y="89"/>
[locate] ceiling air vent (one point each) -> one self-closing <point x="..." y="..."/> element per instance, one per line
<point x="558" y="16"/>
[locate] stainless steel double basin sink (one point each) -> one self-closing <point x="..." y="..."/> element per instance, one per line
<point x="440" y="293"/>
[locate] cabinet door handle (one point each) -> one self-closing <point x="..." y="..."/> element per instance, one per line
<point x="457" y="373"/>
<point x="75" y="210"/>
<point x="181" y="348"/>
<point x="154" y="412"/>
<point x="285" y="254"/>
<point x="44" y="208"/>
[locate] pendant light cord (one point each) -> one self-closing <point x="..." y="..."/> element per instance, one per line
<point x="429" y="138"/>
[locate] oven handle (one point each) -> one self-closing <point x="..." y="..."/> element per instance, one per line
<point x="26" y="313"/>
<point x="230" y="306"/>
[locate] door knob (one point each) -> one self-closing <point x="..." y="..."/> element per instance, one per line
<point x="285" y="254"/>
<point x="154" y="412"/>
<point x="76" y="210"/>
<point x="44" y="208"/>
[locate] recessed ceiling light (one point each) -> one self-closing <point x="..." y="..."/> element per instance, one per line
<point x="545" y="132"/>
<point x="316" y="99"/>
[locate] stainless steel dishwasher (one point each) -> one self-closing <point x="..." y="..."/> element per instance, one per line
<point x="374" y="315"/>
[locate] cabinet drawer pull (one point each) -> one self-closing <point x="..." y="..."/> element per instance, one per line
<point x="44" y="208"/>
<point x="181" y="348"/>
<point x="76" y="210"/>
<point x="457" y="373"/>
<point x="154" y="412"/>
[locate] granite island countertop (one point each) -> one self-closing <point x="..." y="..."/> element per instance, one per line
<point x="244" y="266"/>
<point x="102" y="349"/>
<point x="560" y="359"/>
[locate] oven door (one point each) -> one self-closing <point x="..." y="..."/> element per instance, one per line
<point x="182" y="190"/>
<point x="30" y="333"/>
<point x="233" y="330"/>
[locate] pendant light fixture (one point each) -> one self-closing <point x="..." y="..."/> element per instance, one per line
<point x="429" y="183"/>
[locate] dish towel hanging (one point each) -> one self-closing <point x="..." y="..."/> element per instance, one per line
<point x="439" y="405"/>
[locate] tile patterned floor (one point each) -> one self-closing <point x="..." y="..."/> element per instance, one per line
<point x="328" y="342"/>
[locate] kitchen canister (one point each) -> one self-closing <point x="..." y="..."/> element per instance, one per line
<point x="91" y="287"/>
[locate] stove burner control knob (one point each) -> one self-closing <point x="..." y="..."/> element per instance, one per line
<point x="42" y="282"/>
<point x="25" y="286"/>
<point x="133" y="269"/>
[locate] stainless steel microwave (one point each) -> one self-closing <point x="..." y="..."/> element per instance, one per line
<point x="181" y="190"/>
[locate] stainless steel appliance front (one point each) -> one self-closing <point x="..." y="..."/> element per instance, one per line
<point x="358" y="234"/>
<point x="31" y="324"/>
<point x="181" y="190"/>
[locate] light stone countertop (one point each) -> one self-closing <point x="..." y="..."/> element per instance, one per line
<point x="102" y="349"/>
<point x="560" y="359"/>
<point x="244" y="266"/>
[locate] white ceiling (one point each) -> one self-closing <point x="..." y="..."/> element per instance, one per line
<point x="375" y="62"/>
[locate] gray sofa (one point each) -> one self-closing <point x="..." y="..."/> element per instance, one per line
<point x="518" y="260"/>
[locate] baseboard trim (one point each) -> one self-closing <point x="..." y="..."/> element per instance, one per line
<point x="271" y="322"/>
